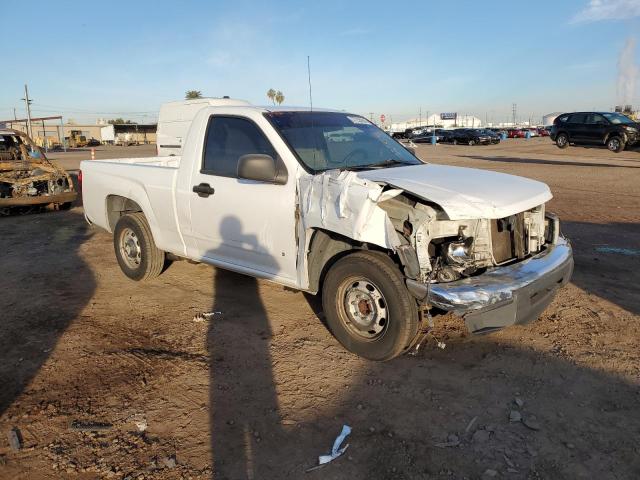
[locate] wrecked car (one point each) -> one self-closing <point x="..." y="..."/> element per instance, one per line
<point x="387" y="239"/>
<point x="27" y="178"/>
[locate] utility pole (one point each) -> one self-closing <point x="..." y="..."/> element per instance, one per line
<point x="28" y="104"/>
<point x="371" y="116"/>
<point x="514" y="109"/>
<point x="420" y="122"/>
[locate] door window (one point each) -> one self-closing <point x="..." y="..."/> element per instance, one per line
<point x="596" y="119"/>
<point x="577" y="118"/>
<point x="228" y="139"/>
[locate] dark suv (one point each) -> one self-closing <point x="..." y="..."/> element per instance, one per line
<point x="614" y="130"/>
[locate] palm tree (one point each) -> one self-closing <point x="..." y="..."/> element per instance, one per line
<point x="279" y="97"/>
<point x="191" y="94"/>
<point x="271" y="95"/>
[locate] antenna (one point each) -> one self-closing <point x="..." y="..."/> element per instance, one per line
<point x="309" y="75"/>
<point x="315" y="140"/>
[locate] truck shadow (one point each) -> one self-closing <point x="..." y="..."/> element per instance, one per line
<point x="38" y="301"/>
<point x="244" y="412"/>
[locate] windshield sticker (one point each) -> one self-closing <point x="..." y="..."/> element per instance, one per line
<point x="358" y="120"/>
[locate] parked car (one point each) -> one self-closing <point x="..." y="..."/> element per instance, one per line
<point x="612" y="129"/>
<point x="446" y="136"/>
<point x="516" y="133"/>
<point x="415" y="132"/>
<point x="470" y="136"/>
<point x="533" y="132"/>
<point x="93" y="142"/>
<point x="543" y="132"/>
<point x="495" y="137"/>
<point x="381" y="234"/>
<point x="427" y="137"/>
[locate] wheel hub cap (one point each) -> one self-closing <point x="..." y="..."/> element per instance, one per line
<point x="130" y="248"/>
<point x="366" y="309"/>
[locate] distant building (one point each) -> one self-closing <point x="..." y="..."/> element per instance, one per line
<point x="441" y="120"/>
<point x="50" y="131"/>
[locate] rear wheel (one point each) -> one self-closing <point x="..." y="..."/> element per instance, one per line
<point x="615" y="144"/>
<point x="136" y="252"/>
<point x="367" y="306"/>
<point x="562" y="140"/>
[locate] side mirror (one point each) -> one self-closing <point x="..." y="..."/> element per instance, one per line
<point x="261" y="168"/>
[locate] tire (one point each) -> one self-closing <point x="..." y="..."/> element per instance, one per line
<point x="65" y="206"/>
<point x="471" y="143"/>
<point x="373" y="281"/>
<point x="562" y="140"/>
<point x="136" y="252"/>
<point x="615" y="144"/>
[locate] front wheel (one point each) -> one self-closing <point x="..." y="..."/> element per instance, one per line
<point x="562" y="140"/>
<point x="367" y="306"/>
<point x="471" y="143"/>
<point x="615" y="144"/>
<point x="136" y="252"/>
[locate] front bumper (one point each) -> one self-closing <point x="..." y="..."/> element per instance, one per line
<point x="503" y="296"/>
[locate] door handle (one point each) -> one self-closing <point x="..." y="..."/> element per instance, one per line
<point x="203" y="190"/>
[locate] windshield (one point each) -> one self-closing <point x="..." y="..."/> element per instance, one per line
<point x="618" y="118"/>
<point x="330" y="140"/>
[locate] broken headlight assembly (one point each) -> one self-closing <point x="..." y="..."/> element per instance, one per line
<point x="459" y="253"/>
<point x="456" y="260"/>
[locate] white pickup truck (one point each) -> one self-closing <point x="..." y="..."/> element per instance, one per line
<point x="324" y="201"/>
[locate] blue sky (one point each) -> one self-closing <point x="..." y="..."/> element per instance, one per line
<point x="97" y="59"/>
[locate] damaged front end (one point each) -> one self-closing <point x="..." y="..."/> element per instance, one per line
<point x="27" y="178"/>
<point x="493" y="272"/>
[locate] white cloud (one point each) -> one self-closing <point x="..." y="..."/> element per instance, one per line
<point x="598" y="10"/>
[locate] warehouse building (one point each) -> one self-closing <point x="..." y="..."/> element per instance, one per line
<point x="441" y="120"/>
<point x="46" y="131"/>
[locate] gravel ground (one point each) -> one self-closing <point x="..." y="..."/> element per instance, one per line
<point x="261" y="388"/>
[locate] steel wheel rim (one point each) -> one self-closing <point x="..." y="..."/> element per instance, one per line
<point x="562" y="140"/>
<point x="614" y="144"/>
<point x="364" y="309"/>
<point x="130" y="250"/>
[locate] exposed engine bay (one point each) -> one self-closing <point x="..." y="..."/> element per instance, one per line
<point x="448" y="250"/>
<point x="27" y="178"/>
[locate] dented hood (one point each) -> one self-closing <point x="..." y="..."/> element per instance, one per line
<point x="465" y="192"/>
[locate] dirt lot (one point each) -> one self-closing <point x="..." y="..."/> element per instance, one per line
<point x="261" y="389"/>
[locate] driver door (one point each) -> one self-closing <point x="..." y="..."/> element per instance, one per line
<point x="244" y="225"/>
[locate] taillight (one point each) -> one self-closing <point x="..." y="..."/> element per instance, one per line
<point x="80" y="176"/>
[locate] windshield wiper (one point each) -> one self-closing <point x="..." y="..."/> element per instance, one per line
<point x="384" y="163"/>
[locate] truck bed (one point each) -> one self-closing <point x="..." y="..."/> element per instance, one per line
<point x="149" y="181"/>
